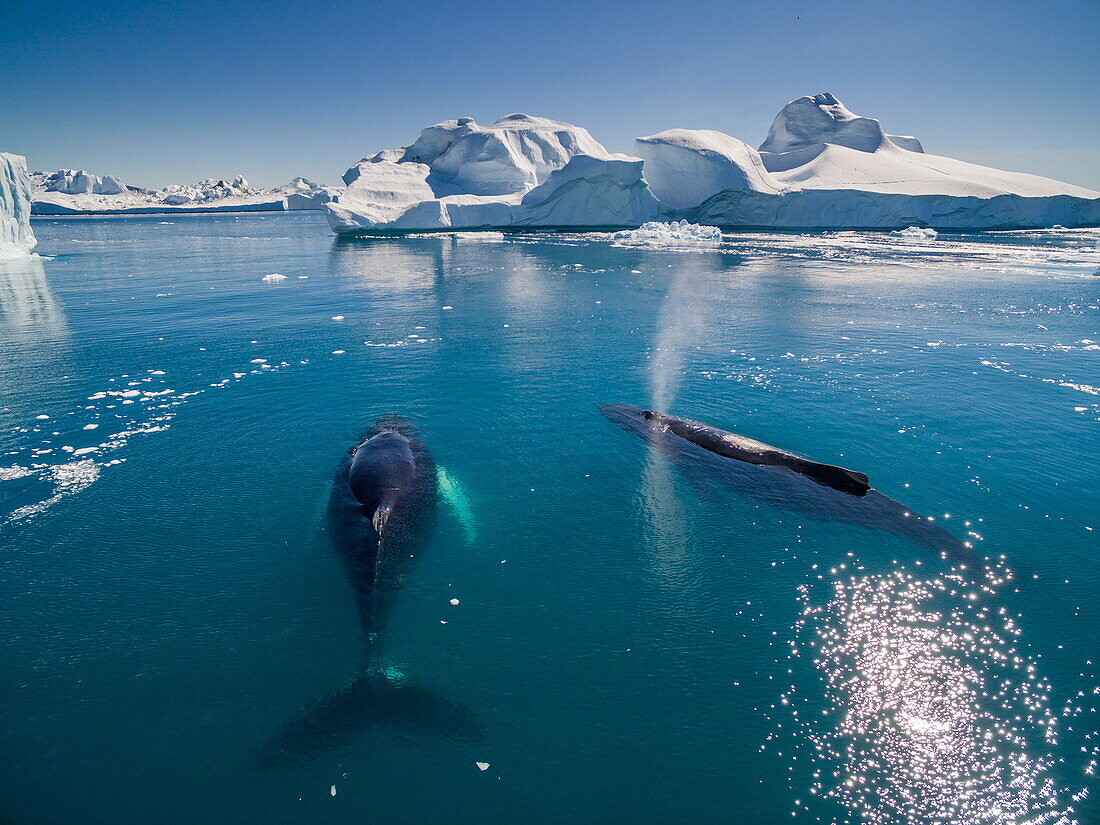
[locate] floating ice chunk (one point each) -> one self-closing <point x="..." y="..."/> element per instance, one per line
<point x="337" y="317"/>
<point x="482" y="766"/>
<point x="91" y="426"/>
<point x="916" y="232"/>
<point x="657" y="232"/>
<point x="258" y="361"/>
<point x="332" y="791"/>
<point x="454" y="601"/>
<point x="338" y="352"/>
<point x="42" y="417"/>
<point x="273" y="278"/>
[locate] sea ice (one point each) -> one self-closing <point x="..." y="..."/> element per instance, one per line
<point x="917" y="232"/>
<point x="273" y="278"/>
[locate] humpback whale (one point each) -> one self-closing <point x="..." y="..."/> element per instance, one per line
<point x="784" y="480"/>
<point x="381" y="514"/>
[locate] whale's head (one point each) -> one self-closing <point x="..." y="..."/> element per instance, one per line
<point x="629" y="416"/>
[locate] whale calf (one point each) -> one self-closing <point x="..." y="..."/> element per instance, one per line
<point x="784" y="480"/>
<point x="381" y="515"/>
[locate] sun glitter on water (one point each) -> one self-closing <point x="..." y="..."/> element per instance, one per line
<point x="935" y="715"/>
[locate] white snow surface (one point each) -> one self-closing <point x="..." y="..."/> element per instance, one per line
<point x="821" y="166"/>
<point x="16" y="237"/>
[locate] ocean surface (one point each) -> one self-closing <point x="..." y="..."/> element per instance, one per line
<point x="641" y="638"/>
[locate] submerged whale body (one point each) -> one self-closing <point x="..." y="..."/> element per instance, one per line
<point x="381" y="514"/>
<point x="784" y="480"/>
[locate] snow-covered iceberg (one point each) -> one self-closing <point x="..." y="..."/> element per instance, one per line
<point x="834" y="169"/>
<point x="16" y="237"/>
<point x="302" y="193"/>
<point x="821" y="166"/>
<point x="518" y="171"/>
<point x="70" y="191"/>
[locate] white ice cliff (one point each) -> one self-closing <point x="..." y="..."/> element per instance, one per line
<point x="16" y="237"/>
<point x="684" y="167"/>
<point x="821" y="166"/>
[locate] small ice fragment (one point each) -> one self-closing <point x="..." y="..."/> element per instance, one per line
<point x="448" y="307"/>
<point x="274" y="278"/>
<point x="337" y="317"/>
<point x="303" y="277"/>
<point x="42" y="417"/>
<point x="338" y="352"/>
<point x="258" y="361"/>
<point x="454" y="601"/>
<point x="91" y="426"/>
<point x="332" y="791"/>
<point x="916" y="232"/>
<point x="482" y="766"/>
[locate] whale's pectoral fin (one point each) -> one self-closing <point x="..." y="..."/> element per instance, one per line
<point x="381" y="699"/>
<point x="456" y="497"/>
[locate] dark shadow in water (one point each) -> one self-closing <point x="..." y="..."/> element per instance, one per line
<point x="374" y="701"/>
<point x="782" y="488"/>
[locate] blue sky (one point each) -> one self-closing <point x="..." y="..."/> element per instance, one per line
<point x="163" y="92"/>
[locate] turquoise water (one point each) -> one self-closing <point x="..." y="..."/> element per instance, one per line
<point x="641" y="641"/>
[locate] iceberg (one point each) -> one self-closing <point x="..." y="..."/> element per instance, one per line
<point x="518" y="171"/>
<point x="820" y="167"/>
<point x="302" y="193"/>
<point x="70" y="191"/>
<point x="16" y="237"/>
